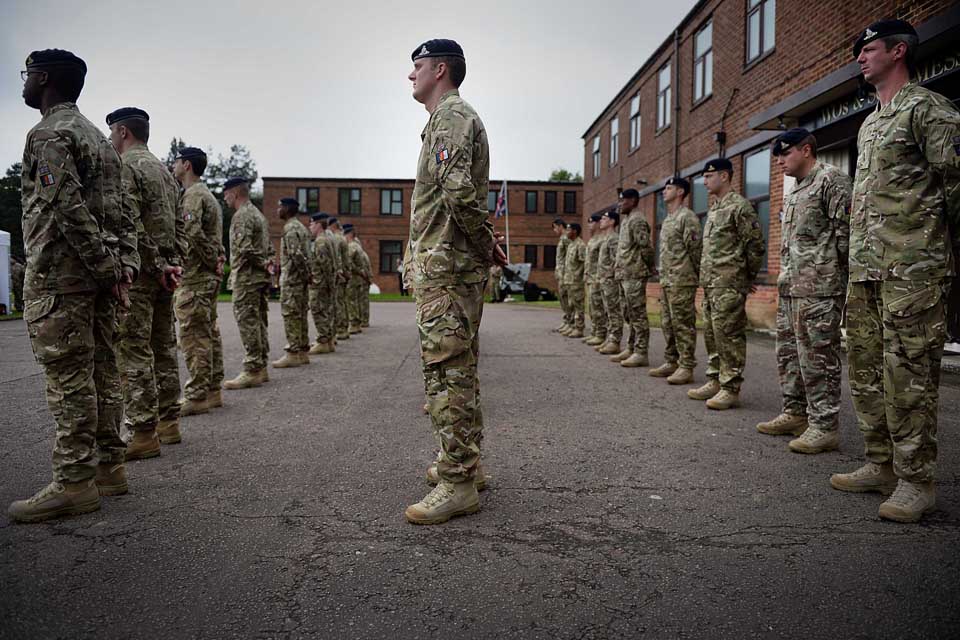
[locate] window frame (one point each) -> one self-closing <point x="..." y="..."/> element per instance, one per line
<point x="350" y="201"/>
<point x="383" y="254"/>
<point x="492" y="196"/>
<point x="614" y="140"/>
<point x="573" y="195"/>
<point x="664" y="96"/>
<point x="526" y="254"/>
<point x="707" y="58"/>
<point x="762" y="52"/>
<point x="304" y="199"/>
<point x="526" y="201"/>
<point x="597" y="160"/>
<point x="392" y="202"/>
<point x="755" y="200"/>
<point x="549" y="256"/>
<point x="636" y="121"/>
<point x="547" y="206"/>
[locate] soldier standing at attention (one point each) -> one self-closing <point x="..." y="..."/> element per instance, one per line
<point x="573" y="279"/>
<point x="146" y="338"/>
<point x="560" y="228"/>
<point x="323" y="275"/>
<point x="17" y="274"/>
<point x="355" y="280"/>
<point x="451" y="248"/>
<point x="598" y="321"/>
<point x="294" y="280"/>
<point x="731" y="260"/>
<point x="367" y="278"/>
<point x="496" y="272"/>
<point x="251" y="254"/>
<point x="813" y="277"/>
<point x="635" y="265"/>
<point x="343" y="277"/>
<point x="609" y="287"/>
<point x="195" y="302"/>
<point x="680" y="247"/>
<point x="81" y="250"/>
<point x="904" y="226"/>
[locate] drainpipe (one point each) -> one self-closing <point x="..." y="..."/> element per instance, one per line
<point x="676" y="101"/>
<point x="721" y="136"/>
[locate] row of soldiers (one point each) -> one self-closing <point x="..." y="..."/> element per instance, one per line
<point x="880" y="246"/>
<point x="118" y="245"/>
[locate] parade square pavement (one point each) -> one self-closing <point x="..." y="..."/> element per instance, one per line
<point x="617" y="508"/>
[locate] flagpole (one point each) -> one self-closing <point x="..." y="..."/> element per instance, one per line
<point x="506" y="213"/>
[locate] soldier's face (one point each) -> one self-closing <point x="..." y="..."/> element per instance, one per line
<point x="314" y="228"/>
<point x="178" y="170"/>
<point x="423" y="79"/>
<point x="714" y="181"/>
<point x="792" y="161"/>
<point x="605" y="223"/>
<point x="671" y="193"/>
<point x="230" y="197"/>
<point x="876" y="61"/>
<point x="591" y="225"/>
<point x="33" y="88"/>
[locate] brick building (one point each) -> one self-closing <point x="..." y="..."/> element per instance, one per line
<point x="380" y="211"/>
<point x="731" y="74"/>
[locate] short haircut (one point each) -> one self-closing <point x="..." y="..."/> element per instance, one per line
<point x="198" y="164"/>
<point x="456" y="68"/>
<point x="912" y="43"/>
<point x="138" y="128"/>
<point x="809" y="140"/>
<point x="67" y="80"/>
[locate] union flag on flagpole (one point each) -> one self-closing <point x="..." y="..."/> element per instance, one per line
<point x="501" y="209"/>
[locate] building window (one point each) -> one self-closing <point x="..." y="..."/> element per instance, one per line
<point x="614" y="141"/>
<point x="699" y="200"/>
<point x="663" y="97"/>
<point x="391" y="255"/>
<point x="549" y="201"/>
<point x="661" y="215"/>
<point x="756" y="189"/>
<point x="530" y="255"/>
<point x="349" y="201"/>
<point x="635" y="121"/>
<point x="596" y="156"/>
<point x="549" y="256"/>
<point x="309" y="199"/>
<point x="391" y="202"/>
<point x="761" y="35"/>
<point x="703" y="63"/>
<point x="531" y="202"/>
<point x="492" y="201"/>
<point x="569" y="201"/>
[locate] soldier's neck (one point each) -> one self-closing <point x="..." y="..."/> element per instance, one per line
<point x="722" y="192"/>
<point x="673" y="206"/>
<point x="890" y="86"/>
<point x="189" y="180"/>
<point x="49" y="101"/>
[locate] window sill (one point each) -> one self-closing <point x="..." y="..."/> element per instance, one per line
<point x="763" y="56"/>
<point x="633" y="151"/>
<point x="385" y="215"/>
<point x="699" y="102"/>
<point x="659" y="131"/>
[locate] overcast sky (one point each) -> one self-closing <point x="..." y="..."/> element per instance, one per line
<point x="319" y="89"/>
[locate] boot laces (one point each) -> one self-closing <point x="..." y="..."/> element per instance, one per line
<point x="906" y="493"/>
<point x="49" y="490"/>
<point x="440" y="493"/>
<point x="812" y="435"/>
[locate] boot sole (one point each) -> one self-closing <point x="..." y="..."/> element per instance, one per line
<point x="171" y="440"/>
<point x="774" y="432"/>
<point x="882" y="489"/>
<point x="632" y="366"/>
<point x="813" y="451"/>
<point x="142" y="456"/>
<point x="72" y="510"/>
<point x="441" y="519"/>
<point x="196" y="413"/>
<point x="113" y="489"/>
<point x="904" y="519"/>
<point x="736" y="405"/>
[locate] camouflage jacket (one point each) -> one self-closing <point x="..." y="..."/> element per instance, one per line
<point x="76" y="233"/>
<point x="635" y="256"/>
<point x="203" y="229"/>
<point x="324" y="258"/>
<point x="593" y="254"/>
<point x="681" y="243"/>
<point x="294" y="253"/>
<point x="815" y="235"/>
<point x="355" y="255"/>
<point x="575" y="263"/>
<point x="367" y="265"/>
<point x="451" y="238"/>
<point x="906" y="194"/>
<point x="151" y="194"/>
<point x="250" y="247"/>
<point x="732" y="244"/>
<point x="561" y="257"/>
<point x="339" y="244"/>
<point x="607" y="256"/>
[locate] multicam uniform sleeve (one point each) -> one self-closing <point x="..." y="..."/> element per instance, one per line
<point x="693" y="241"/>
<point x="752" y="238"/>
<point x="192" y="214"/>
<point x="132" y="183"/>
<point x="641" y="236"/>
<point x="243" y="250"/>
<point x="937" y="128"/>
<point x="838" y="198"/>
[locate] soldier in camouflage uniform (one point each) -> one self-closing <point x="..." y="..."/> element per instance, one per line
<point x="367" y="279"/>
<point x="681" y="243"/>
<point x="294" y="280"/>
<point x="496" y="272"/>
<point x="635" y="265"/>
<point x="195" y="302"/>
<point x="146" y="338"/>
<point x="451" y="248"/>
<point x="607" y="282"/>
<point x="81" y="249"/>
<point x="731" y="259"/>
<point x="573" y="279"/>
<point x="904" y="227"/>
<point x="17" y="274"/>
<point x="251" y="258"/>
<point x="343" y="278"/>
<point x="324" y="259"/>
<point x="560" y="228"/>
<point x="815" y="236"/>
<point x="598" y="319"/>
<point x="355" y="281"/>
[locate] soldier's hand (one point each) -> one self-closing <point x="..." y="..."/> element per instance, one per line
<point x="220" y="262"/>
<point x="171" y="277"/>
<point x="122" y="288"/>
<point x="753" y="288"/>
<point x="499" y="257"/>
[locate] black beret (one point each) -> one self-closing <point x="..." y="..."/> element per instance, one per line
<point x="347" y="228"/>
<point x="437" y="48"/>
<point x="595" y="217"/>
<point x="613" y="215"/>
<point x="126" y="113"/>
<point x="677" y="181"/>
<point x="630" y="193"/>
<point x="191" y="153"/>
<point x="576" y="227"/>
<point x="55" y="58"/>
<point x="317" y="217"/>
<point x="290" y="202"/>
<point x="718" y="164"/>
<point x="783" y="142"/>
<point x="559" y="221"/>
<point x="333" y="220"/>
<point x="234" y="182"/>
<point x="882" y="29"/>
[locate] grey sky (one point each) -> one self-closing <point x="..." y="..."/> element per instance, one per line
<point x="320" y="89"/>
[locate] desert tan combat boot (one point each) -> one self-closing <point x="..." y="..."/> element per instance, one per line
<point x="724" y="400"/>
<point x="636" y="359"/>
<point x="245" y="380"/>
<point x="909" y="502"/>
<point x="784" y="424"/>
<point x="663" y="370"/>
<point x="354" y="329"/>
<point x="343" y="336"/>
<point x="195" y="407"/>
<point x="594" y="341"/>
<point x="479" y="477"/>
<point x="623" y="355"/>
<point x="710" y="388"/>
<point x="575" y="333"/>
<point x="145" y="444"/>
<point x="111" y="479"/>
<point x="168" y="431"/>
<point x="814" y="440"/>
<point x="214" y="399"/>
<point x="869" y="477"/>
<point x="56" y="499"/>
<point x="609" y="348"/>
<point x="303" y="357"/>
<point x="681" y="376"/>
<point x="560" y="328"/>
<point x="321" y="347"/>
<point x="287" y="361"/>
<point x="445" y="501"/>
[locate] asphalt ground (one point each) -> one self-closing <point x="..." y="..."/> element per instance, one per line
<point x="617" y="508"/>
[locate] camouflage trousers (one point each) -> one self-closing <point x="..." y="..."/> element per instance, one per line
<point x="598" y="317"/>
<point x="564" y="296"/>
<point x="323" y="307"/>
<point x="725" y="334"/>
<point x="343" y="317"/>
<point x="354" y="288"/>
<point x="576" y="299"/>
<point x="365" y="305"/>
<point x="808" y="358"/>
<point x="294" y="306"/>
<point x="613" y="309"/>
<point x="147" y="356"/>
<point x="448" y="320"/>
<point x="678" y="320"/>
<point x="635" y="314"/>
<point x="72" y="337"/>
<point x="195" y="305"/>
<point x="895" y="336"/>
<point x="250" y="311"/>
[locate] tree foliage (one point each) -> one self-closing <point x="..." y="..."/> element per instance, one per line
<point x="563" y="175"/>
<point x="11" y="218"/>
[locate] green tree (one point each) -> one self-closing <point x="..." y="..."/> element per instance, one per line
<point x="11" y="215"/>
<point x="563" y="175"/>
